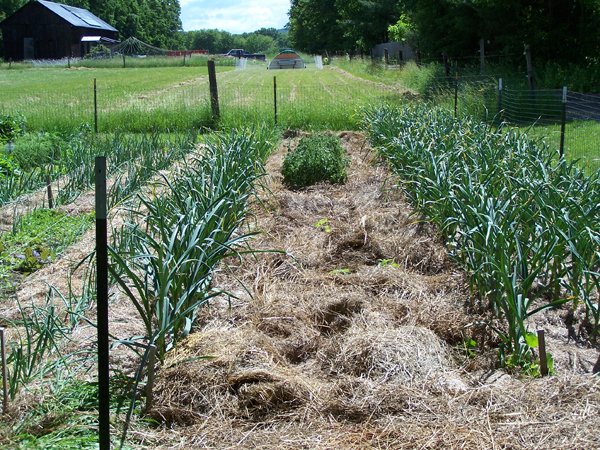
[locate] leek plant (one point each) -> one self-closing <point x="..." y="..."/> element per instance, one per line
<point x="524" y="223"/>
<point x="166" y="260"/>
<point x="39" y="335"/>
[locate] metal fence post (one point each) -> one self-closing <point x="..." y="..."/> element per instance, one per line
<point x="275" y="98"/>
<point x="543" y="356"/>
<point x="563" y="121"/>
<point x="500" y="90"/>
<point x="4" y="371"/>
<point x="95" y="108"/>
<point x="102" y="304"/>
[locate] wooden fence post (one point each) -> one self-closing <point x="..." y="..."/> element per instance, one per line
<point x="214" y="91"/>
<point x="481" y="56"/>
<point x="529" y="61"/>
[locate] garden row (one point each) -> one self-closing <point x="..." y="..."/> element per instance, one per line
<point x="163" y="258"/>
<point x="522" y="223"/>
<point x="37" y="159"/>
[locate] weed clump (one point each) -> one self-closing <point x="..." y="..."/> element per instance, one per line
<point x="317" y="158"/>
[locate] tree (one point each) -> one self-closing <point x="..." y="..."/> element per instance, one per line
<point x="315" y="27"/>
<point x="256" y="43"/>
<point x="557" y="30"/>
<point x="365" y="22"/>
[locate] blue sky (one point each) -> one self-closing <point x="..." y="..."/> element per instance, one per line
<point x="233" y="15"/>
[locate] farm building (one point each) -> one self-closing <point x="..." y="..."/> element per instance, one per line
<point x="48" y="30"/>
<point x="287" y="59"/>
<point x="397" y="51"/>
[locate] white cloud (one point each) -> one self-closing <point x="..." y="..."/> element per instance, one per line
<point x="233" y="15"/>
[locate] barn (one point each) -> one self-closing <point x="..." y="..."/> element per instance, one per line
<point x="48" y="30"/>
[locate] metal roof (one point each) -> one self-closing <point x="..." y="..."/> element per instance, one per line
<point x="77" y="17"/>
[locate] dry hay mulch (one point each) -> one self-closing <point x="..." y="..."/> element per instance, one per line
<point x="328" y="347"/>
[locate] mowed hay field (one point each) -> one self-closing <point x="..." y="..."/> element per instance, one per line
<point x="348" y="328"/>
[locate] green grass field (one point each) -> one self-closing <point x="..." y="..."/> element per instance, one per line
<point x="176" y="98"/>
<point x="582" y="141"/>
<point x="138" y="99"/>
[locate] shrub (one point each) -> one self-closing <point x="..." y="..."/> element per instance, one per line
<point x="317" y="158"/>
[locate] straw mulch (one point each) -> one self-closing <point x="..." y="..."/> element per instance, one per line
<point x="326" y="347"/>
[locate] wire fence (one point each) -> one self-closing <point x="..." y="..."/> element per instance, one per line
<point x="186" y="105"/>
<point x="569" y="122"/>
<point x="573" y="119"/>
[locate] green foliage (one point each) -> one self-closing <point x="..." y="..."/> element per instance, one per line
<point x="341" y="271"/>
<point x="68" y="418"/>
<point x="11" y="126"/>
<point x="33" y="150"/>
<point x="524" y="226"/>
<point x="315" y="26"/>
<point x="317" y="158"/>
<point x="388" y="262"/>
<point x="401" y="30"/>
<point x="323" y="225"/>
<point x="6" y="165"/>
<point x="266" y="40"/>
<point x="38" y="237"/>
<point x="166" y="266"/>
<point x="98" y="51"/>
<point x="469" y="346"/>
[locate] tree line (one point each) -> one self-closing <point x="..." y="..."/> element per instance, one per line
<point x="556" y="30"/>
<point x="265" y="40"/>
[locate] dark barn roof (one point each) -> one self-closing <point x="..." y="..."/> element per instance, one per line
<point x="77" y="17"/>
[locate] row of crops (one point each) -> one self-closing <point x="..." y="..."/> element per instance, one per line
<point x="178" y="226"/>
<point x="523" y="223"/>
<point x="165" y="255"/>
<point x="68" y="161"/>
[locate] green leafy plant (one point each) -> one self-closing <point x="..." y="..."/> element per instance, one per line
<point x="11" y="126"/>
<point x="522" y="224"/>
<point x="469" y="346"/>
<point x="317" y="158"/>
<point x="341" y="271"/>
<point x="38" y="237"/>
<point x="6" y="166"/>
<point x="166" y="266"/>
<point x="388" y="263"/>
<point x="36" y="150"/>
<point x="323" y="225"/>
